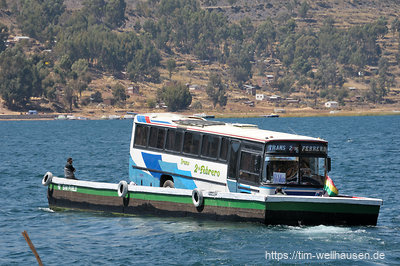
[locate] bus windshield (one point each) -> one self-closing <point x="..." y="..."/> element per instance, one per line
<point x="294" y="170"/>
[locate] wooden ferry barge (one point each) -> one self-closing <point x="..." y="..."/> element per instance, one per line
<point x="189" y="166"/>
<point x="271" y="209"/>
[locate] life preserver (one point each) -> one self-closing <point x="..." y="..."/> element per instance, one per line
<point x="47" y="179"/>
<point x="122" y="188"/>
<point x="197" y="198"/>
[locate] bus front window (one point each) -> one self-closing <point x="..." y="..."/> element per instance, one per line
<point x="312" y="171"/>
<point x="280" y="170"/>
<point x="294" y="170"/>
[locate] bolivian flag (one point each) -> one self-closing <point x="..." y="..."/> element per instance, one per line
<point x="330" y="187"/>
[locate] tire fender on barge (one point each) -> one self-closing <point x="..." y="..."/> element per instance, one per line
<point x="122" y="188"/>
<point x="47" y="178"/>
<point x="197" y="198"/>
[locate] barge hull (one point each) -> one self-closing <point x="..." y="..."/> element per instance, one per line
<point x="139" y="203"/>
<point x="140" y="200"/>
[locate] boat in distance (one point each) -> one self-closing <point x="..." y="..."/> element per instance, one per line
<point x="272" y="115"/>
<point x="188" y="166"/>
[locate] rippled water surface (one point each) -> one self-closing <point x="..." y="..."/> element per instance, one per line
<point x="365" y="160"/>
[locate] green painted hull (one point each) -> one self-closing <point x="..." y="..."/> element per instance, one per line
<point x="139" y="200"/>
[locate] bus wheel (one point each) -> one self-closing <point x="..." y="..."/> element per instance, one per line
<point x="169" y="183"/>
<point x="197" y="198"/>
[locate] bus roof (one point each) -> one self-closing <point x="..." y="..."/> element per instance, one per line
<point x="242" y="131"/>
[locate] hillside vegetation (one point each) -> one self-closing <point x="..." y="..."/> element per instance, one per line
<point x="99" y="55"/>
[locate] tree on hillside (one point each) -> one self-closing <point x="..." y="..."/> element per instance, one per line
<point x="96" y="97"/>
<point x="395" y="26"/>
<point x="285" y="84"/>
<point x="94" y="9"/>
<point x="80" y="74"/>
<point x="175" y="95"/>
<point x="264" y="36"/>
<point x="3" y="4"/>
<point x="190" y="65"/>
<point x="37" y="18"/>
<point x="115" y="13"/>
<point x="328" y="74"/>
<point x="304" y="9"/>
<point x="376" y="91"/>
<point x="171" y="66"/>
<point x="19" y="79"/>
<point x="216" y="91"/>
<point x="3" y="37"/>
<point x="119" y="93"/>
<point x="239" y="62"/>
<point x="69" y="96"/>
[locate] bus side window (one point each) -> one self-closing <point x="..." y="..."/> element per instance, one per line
<point x="174" y="140"/>
<point x="178" y="141"/>
<point x="141" y="135"/>
<point x="157" y="138"/>
<point x="210" y="146"/>
<point x="191" y="143"/>
<point x="223" y="154"/>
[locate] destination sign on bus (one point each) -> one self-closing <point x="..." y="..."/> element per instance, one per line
<point x="296" y="148"/>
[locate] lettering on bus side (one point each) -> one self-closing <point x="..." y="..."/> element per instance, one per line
<point x="204" y="170"/>
<point x="183" y="162"/>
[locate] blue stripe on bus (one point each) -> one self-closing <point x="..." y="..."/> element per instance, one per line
<point x="180" y="182"/>
<point x="243" y="189"/>
<point x="232" y="185"/>
<point x="160" y="122"/>
<point x="141" y="177"/>
<point x="152" y="161"/>
<point x="141" y="119"/>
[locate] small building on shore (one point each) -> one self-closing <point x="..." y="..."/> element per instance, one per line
<point x="260" y="97"/>
<point x="250" y="89"/>
<point x="332" y="104"/>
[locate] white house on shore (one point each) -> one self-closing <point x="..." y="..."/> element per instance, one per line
<point x="260" y="97"/>
<point x="332" y="104"/>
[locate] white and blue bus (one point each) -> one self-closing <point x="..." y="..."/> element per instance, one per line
<point x="170" y="150"/>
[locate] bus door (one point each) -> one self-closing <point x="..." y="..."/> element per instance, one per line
<point x="233" y="163"/>
<point x="250" y="166"/>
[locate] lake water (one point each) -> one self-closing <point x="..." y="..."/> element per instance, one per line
<point x="365" y="155"/>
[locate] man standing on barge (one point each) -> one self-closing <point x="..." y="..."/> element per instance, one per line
<point x="69" y="169"/>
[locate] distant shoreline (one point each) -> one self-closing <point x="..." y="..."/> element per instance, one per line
<point x="292" y="113"/>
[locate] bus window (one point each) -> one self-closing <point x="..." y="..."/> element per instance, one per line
<point x="281" y="170"/>
<point x="312" y="171"/>
<point x="223" y="154"/>
<point x="141" y="135"/>
<point x="233" y="159"/>
<point x="174" y="140"/>
<point x="250" y="167"/>
<point x="294" y="170"/>
<point x="156" y="139"/>
<point x="191" y="143"/>
<point x="210" y="146"/>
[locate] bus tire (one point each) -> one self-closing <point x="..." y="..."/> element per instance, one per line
<point x="47" y="178"/>
<point x="197" y="198"/>
<point x="122" y="188"/>
<point x="169" y="183"/>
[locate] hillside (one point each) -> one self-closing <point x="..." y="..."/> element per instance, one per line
<point x="294" y="64"/>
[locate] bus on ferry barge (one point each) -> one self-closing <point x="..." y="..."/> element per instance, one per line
<point x="170" y="150"/>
